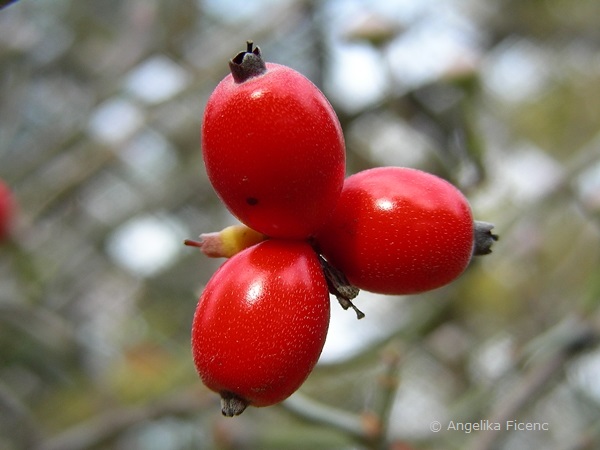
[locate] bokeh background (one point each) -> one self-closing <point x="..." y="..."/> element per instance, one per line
<point x="100" y="106"/>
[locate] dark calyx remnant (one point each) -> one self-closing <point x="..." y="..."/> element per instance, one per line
<point x="231" y="404"/>
<point x="247" y="64"/>
<point x="484" y="238"/>
<point x="338" y="285"/>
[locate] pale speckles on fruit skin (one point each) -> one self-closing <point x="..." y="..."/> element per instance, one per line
<point x="294" y="141"/>
<point x="262" y="350"/>
<point x="418" y="239"/>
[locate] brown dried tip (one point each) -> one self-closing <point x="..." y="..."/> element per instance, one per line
<point x="210" y="243"/>
<point x="232" y="405"/>
<point x="247" y="64"/>
<point x="338" y="285"/>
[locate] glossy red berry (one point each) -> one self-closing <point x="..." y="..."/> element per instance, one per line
<point x="273" y="148"/>
<point x="6" y="210"/>
<point x="260" y="324"/>
<point x="399" y="231"/>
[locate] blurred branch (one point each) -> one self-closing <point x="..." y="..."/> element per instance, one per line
<point x="588" y="440"/>
<point x="313" y="411"/>
<point x="61" y="177"/>
<point x="110" y="423"/>
<point x="582" y="336"/>
<point x="370" y="427"/>
<point x="426" y="316"/>
<point x="582" y="160"/>
<point x="386" y="394"/>
<point x="50" y="331"/>
<point x="4" y="3"/>
<point x="15" y="412"/>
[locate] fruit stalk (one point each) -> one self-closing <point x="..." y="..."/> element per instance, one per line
<point x="227" y="242"/>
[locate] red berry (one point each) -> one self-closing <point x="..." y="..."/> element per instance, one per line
<point x="6" y="210"/>
<point x="273" y="148"/>
<point x="260" y="324"/>
<point x="399" y="231"/>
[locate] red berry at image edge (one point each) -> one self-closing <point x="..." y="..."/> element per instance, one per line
<point x="260" y="324"/>
<point x="273" y="148"/>
<point x="399" y="231"/>
<point x="6" y="211"/>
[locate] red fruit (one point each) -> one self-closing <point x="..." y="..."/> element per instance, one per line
<point x="260" y="324"/>
<point x="6" y="210"/>
<point x="273" y="148"/>
<point x="399" y="231"/>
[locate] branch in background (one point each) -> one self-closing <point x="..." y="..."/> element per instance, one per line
<point x="18" y="414"/>
<point x="386" y="394"/>
<point x="5" y="3"/>
<point x="369" y="428"/>
<point x="307" y="409"/>
<point x="582" y="336"/>
<point x="588" y="440"/>
<point x="109" y="424"/>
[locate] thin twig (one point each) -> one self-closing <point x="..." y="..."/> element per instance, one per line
<point x="581" y="338"/>
<point x="17" y="413"/>
<point x="587" y="440"/>
<point x="109" y="424"/>
<point x="369" y="428"/>
<point x="388" y="385"/>
<point x="314" y="411"/>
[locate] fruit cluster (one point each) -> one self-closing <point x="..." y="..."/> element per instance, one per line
<point x="274" y="152"/>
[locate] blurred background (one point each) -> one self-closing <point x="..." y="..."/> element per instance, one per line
<point x="101" y="103"/>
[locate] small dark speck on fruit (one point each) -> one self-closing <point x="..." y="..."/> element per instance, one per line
<point x="252" y="201"/>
